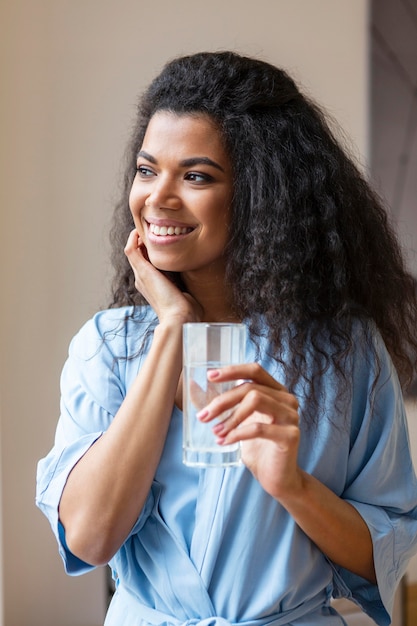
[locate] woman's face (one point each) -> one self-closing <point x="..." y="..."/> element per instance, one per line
<point x="181" y="195"/>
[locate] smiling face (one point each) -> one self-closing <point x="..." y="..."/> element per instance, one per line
<point x="181" y="195"/>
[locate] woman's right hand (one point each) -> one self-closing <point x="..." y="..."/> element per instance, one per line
<point x="164" y="297"/>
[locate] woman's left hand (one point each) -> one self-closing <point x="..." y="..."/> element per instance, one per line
<point x="265" y="419"/>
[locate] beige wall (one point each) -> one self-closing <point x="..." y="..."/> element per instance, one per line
<point x="71" y="71"/>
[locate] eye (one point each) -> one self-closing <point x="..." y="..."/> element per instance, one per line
<point x="144" y="171"/>
<point x="198" y="177"/>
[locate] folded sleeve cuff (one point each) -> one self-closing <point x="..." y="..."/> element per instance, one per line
<point x="376" y="600"/>
<point x="53" y="472"/>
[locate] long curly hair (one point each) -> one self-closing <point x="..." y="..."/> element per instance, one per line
<point x="310" y="245"/>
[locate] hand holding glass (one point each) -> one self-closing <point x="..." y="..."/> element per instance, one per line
<point x="208" y="346"/>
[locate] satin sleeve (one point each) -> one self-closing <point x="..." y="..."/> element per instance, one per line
<point x="93" y="386"/>
<point x="381" y="483"/>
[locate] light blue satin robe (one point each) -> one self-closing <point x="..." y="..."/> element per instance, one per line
<point x="211" y="546"/>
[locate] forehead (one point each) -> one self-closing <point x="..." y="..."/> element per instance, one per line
<point x="195" y="134"/>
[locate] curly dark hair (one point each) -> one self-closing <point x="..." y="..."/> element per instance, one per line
<point x="311" y="247"/>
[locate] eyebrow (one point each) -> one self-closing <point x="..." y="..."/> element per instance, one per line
<point x="203" y="160"/>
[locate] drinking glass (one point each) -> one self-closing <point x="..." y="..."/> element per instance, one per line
<point x="208" y="346"/>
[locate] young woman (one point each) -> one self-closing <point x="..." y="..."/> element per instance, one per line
<point x="240" y="205"/>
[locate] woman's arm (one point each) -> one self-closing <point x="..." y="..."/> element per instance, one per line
<point x="333" y="524"/>
<point x="107" y="488"/>
<point x="265" y="420"/>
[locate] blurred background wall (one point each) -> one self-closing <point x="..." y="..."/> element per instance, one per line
<point x="393" y="140"/>
<point x="71" y="71"/>
<point x="393" y="118"/>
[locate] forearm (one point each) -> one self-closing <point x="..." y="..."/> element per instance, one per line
<point x="265" y="419"/>
<point x="106" y="490"/>
<point x="333" y="525"/>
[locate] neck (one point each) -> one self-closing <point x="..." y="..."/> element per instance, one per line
<point x="211" y="293"/>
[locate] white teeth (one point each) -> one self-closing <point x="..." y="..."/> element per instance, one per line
<point x="168" y="230"/>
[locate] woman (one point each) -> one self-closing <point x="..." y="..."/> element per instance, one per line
<point x="240" y="205"/>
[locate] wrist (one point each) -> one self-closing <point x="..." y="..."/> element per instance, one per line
<point x="294" y="491"/>
<point x="175" y="321"/>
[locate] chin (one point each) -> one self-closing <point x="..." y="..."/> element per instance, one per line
<point x="165" y="264"/>
<point x="167" y="267"/>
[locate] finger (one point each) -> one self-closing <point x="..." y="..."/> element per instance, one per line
<point x="246" y="371"/>
<point x="266" y="410"/>
<point x="137" y="256"/>
<point x="281" y="407"/>
<point x="247" y="398"/>
<point x="222" y="402"/>
<point x="132" y="243"/>
<point x="286" y="437"/>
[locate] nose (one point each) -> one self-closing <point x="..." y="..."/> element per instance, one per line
<point x="163" y="195"/>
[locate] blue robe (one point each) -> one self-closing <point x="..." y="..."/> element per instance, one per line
<point x="210" y="545"/>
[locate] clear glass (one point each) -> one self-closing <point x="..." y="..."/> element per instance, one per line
<point x="208" y="346"/>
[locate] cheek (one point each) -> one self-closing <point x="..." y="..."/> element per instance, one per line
<point x="135" y="203"/>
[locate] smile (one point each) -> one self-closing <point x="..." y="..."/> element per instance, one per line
<point x="163" y="231"/>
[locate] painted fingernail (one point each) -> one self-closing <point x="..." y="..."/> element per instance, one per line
<point x="218" y="428"/>
<point x="201" y="415"/>
<point x="213" y="374"/>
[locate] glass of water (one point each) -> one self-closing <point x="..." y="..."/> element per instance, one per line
<point x="208" y="346"/>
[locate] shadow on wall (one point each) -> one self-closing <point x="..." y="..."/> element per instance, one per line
<point x="394" y="118"/>
<point x="394" y="114"/>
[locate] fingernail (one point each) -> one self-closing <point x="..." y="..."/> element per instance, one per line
<point x="213" y="374"/>
<point x="201" y="415"/>
<point x="218" y="428"/>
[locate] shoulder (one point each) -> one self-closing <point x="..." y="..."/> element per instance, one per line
<point x="370" y="352"/>
<point x="356" y="340"/>
<point x="119" y="331"/>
